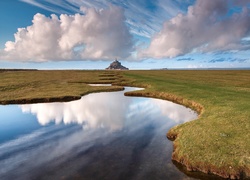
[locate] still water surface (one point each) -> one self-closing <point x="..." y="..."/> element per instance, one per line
<point x="100" y="136"/>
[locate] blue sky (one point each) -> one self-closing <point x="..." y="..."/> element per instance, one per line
<point x="143" y="34"/>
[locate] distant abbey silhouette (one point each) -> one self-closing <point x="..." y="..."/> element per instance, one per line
<point x="116" y="65"/>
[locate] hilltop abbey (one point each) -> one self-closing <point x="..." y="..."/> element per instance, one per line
<point x="116" y="65"/>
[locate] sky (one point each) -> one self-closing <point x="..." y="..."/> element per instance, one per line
<point x="142" y="34"/>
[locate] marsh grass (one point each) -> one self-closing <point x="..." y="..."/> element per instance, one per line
<point x="46" y="86"/>
<point x="219" y="141"/>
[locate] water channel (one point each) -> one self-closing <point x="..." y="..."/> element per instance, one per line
<point x="100" y="136"/>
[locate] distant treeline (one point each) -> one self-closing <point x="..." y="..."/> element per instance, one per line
<point x="3" y="70"/>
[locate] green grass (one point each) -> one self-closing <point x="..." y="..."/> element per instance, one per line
<point x="219" y="141"/>
<point x="44" y="86"/>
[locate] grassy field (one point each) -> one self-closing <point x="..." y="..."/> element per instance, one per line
<point x="47" y="86"/>
<point x="218" y="142"/>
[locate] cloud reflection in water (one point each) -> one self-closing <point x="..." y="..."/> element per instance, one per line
<point x="126" y="132"/>
<point x="105" y="110"/>
<point x="92" y="111"/>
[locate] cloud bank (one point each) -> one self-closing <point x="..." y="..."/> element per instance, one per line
<point x="105" y="30"/>
<point x="208" y="26"/>
<point x="97" y="35"/>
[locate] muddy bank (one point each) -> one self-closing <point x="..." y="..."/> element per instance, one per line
<point x="40" y="100"/>
<point x="57" y="99"/>
<point x="226" y="172"/>
<point x="170" y="97"/>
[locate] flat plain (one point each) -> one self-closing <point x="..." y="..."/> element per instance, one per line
<point x="218" y="142"/>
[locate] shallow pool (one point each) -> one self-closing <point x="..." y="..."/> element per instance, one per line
<point x="101" y="136"/>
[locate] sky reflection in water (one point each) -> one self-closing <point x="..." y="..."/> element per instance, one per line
<point x="77" y="139"/>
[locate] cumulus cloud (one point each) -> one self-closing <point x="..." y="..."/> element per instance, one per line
<point x="96" y="35"/>
<point x="207" y="27"/>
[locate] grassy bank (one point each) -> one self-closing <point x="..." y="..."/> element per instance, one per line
<point x="219" y="141"/>
<point x="18" y="87"/>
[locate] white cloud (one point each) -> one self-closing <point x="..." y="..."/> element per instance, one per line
<point x="99" y="34"/>
<point x="206" y="27"/>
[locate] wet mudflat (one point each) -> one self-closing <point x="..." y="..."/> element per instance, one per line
<point x="100" y="136"/>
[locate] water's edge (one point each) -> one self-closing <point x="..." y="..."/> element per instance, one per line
<point x="172" y="134"/>
<point x="185" y="166"/>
